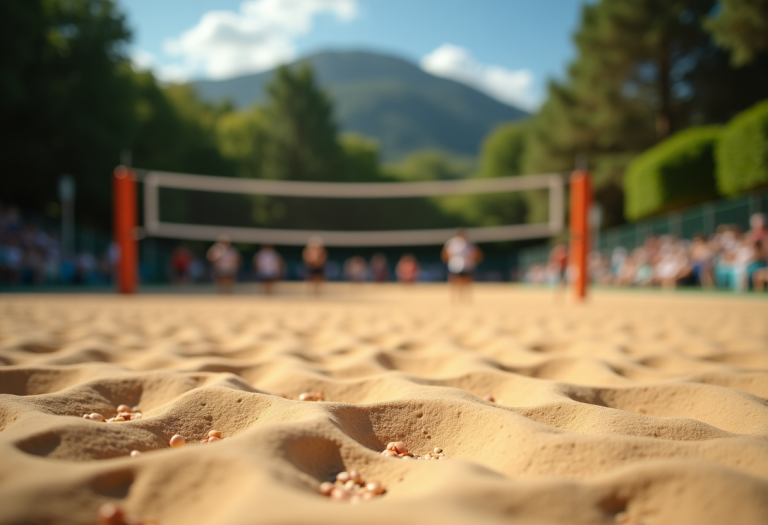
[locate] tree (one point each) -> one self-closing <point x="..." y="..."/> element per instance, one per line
<point x="502" y="151"/>
<point x="67" y="104"/>
<point x="242" y="138"/>
<point x="302" y="143"/>
<point x="361" y="159"/>
<point x="644" y="69"/>
<point x="431" y="164"/>
<point x="741" y="26"/>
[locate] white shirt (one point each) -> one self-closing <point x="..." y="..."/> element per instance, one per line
<point x="461" y="255"/>
<point x="267" y="263"/>
<point x="224" y="259"/>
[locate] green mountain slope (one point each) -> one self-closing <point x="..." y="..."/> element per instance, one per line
<point x="389" y="99"/>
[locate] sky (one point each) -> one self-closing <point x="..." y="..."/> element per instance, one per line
<point x="508" y="49"/>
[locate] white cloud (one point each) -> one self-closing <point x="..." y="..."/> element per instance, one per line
<point x="260" y="36"/>
<point x="142" y="60"/>
<point x="145" y="61"/>
<point x="505" y="85"/>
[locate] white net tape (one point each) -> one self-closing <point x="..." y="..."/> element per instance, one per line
<point x="153" y="180"/>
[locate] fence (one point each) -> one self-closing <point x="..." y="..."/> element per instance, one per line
<point x="153" y="262"/>
<point x="685" y="223"/>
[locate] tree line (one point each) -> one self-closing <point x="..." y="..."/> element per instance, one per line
<point x="71" y="102"/>
<point x="645" y="69"/>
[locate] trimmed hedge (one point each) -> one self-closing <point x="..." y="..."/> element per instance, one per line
<point x="742" y="154"/>
<point x="677" y="172"/>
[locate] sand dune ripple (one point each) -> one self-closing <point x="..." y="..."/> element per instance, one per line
<point x="647" y="407"/>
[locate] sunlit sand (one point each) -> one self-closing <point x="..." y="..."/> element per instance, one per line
<point x="633" y="408"/>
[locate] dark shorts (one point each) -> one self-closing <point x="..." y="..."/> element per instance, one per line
<point x="462" y="274"/>
<point x="315" y="272"/>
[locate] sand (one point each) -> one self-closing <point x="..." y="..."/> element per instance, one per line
<point x="642" y="408"/>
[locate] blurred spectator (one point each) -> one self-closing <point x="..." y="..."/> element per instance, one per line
<point x="727" y="259"/>
<point x="181" y="260"/>
<point x="269" y="267"/>
<point x="225" y="259"/>
<point x="558" y="264"/>
<point x="407" y="269"/>
<point x="356" y="269"/>
<point x="461" y="256"/>
<point x="758" y="227"/>
<point x="315" y="257"/>
<point x="379" y="268"/>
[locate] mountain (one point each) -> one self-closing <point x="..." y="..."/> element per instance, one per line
<point x="386" y="98"/>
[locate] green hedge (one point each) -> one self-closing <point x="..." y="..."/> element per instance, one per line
<point x="742" y="154"/>
<point x="677" y="172"/>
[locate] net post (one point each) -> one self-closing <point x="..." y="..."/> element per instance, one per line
<point x="124" y="202"/>
<point x="581" y="197"/>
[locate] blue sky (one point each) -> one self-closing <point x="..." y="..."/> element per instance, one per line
<point x="507" y="48"/>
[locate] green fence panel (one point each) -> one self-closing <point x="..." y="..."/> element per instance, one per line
<point x="685" y="223"/>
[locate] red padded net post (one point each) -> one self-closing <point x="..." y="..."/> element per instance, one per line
<point x="581" y="200"/>
<point x="124" y="198"/>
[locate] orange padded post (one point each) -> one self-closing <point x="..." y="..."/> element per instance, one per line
<point x="581" y="200"/>
<point x="124" y="199"/>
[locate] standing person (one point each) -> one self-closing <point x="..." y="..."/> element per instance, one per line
<point x="356" y="269"/>
<point x="226" y="261"/>
<point x="269" y="267"/>
<point x="558" y="262"/>
<point x="461" y="256"/>
<point x="315" y="256"/>
<point x="181" y="259"/>
<point x="379" y="268"/>
<point x="758" y="227"/>
<point x="407" y="269"/>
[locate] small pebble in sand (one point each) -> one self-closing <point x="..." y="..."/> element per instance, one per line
<point x="398" y="449"/>
<point x="214" y="433"/>
<point x="213" y="439"/>
<point x="490" y="399"/>
<point x="124" y="413"/>
<point x="177" y="441"/>
<point x="308" y="396"/>
<point x="349" y="486"/>
<point x="374" y="487"/>
<point x="342" y="477"/>
<point x="135" y="453"/>
<point x="624" y="519"/>
<point x="96" y="417"/>
<point x="111" y="514"/>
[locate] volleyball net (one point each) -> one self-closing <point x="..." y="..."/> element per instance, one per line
<point x="376" y="214"/>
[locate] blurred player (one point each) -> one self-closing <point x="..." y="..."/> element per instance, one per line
<point x="407" y="269"/>
<point x="379" y="268"/>
<point x="225" y="259"/>
<point x="269" y="267"/>
<point x="558" y="265"/>
<point x="315" y="257"/>
<point x="461" y="256"/>
<point x="356" y="269"/>
<point x="181" y="260"/>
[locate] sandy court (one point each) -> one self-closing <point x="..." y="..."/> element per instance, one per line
<point x="641" y="408"/>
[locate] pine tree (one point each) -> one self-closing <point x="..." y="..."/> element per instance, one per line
<point x="742" y="27"/>
<point x="302" y="141"/>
